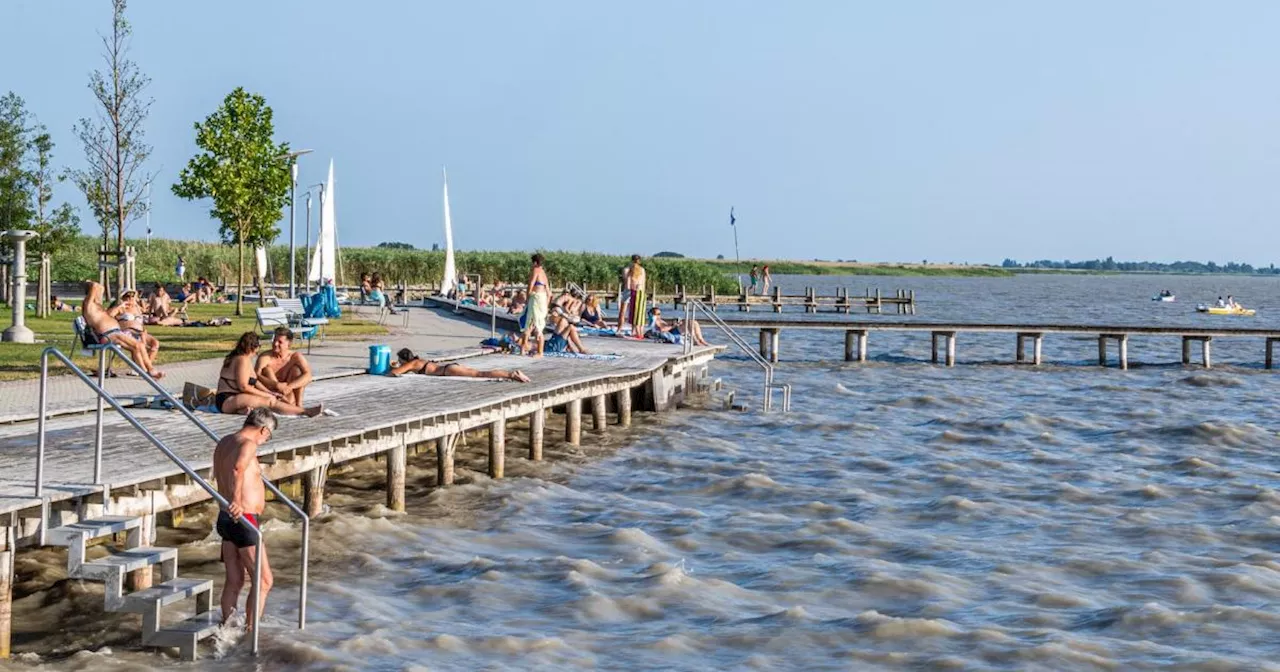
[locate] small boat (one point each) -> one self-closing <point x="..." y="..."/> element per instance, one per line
<point x="1167" y="298"/>
<point x="1214" y="310"/>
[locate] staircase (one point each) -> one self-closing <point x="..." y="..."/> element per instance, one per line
<point x="111" y="570"/>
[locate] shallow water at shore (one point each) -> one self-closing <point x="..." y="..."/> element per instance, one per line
<point x="904" y="516"/>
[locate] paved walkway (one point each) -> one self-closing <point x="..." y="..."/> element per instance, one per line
<point x="427" y="333"/>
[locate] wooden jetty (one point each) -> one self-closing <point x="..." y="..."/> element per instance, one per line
<point x="903" y="301"/>
<point x="398" y="419"/>
<point x="943" y="336"/>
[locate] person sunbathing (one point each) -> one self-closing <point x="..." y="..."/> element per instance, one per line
<point x="161" y="311"/>
<point x="564" y="316"/>
<point x="129" y="315"/>
<point x="106" y="330"/>
<point x="59" y="305"/>
<point x="590" y="314"/>
<point x="658" y="326"/>
<point x="411" y="363"/>
<point x="283" y="371"/>
<point x="239" y="391"/>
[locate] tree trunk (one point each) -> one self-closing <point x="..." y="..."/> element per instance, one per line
<point x="240" y="282"/>
<point x="262" y="289"/>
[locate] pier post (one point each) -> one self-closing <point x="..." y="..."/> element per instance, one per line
<point x="497" y="447"/>
<point x="913" y="301"/>
<point x="140" y="579"/>
<point x="313" y="491"/>
<point x="1124" y="352"/>
<point x="1270" y="343"/>
<point x="849" y="336"/>
<point x="764" y="344"/>
<point x="774" y="336"/>
<point x="1039" y="338"/>
<point x="573" y="422"/>
<point x="444" y="459"/>
<point x="395" y="477"/>
<point x="537" y="428"/>
<point x="933" y="343"/>
<point x="951" y="348"/>
<point x="1186" y="352"/>
<point x="777" y="299"/>
<point x="8" y="549"/>
<point x="1019" y="353"/>
<point x="1204" y="349"/>
<point x="623" y="402"/>
<point x="862" y="345"/>
<point x="1102" y="349"/>
<point x="598" y="418"/>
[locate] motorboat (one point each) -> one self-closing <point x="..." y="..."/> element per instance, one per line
<point x="1166" y="298"/>
<point x="1215" y="310"/>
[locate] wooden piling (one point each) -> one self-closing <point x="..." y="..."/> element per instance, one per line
<point x="1019" y="352"/>
<point x="862" y="345"/>
<point x="1186" y="352"/>
<point x="1270" y="342"/>
<point x="849" y="337"/>
<point x="8" y="548"/>
<point x="396" y="459"/>
<point x="623" y="402"/>
<point x="598" y="418"/>
<point x="573" y="422"/>
<point x="445" y="446"/>
<point x="764" y="343"/>
<point x="1039" y="339"/>
<point x="497" y="447"/>
<point x="775" y="336"/>
<point x="313" y="491"/>
<point x="933" y="347"/>
<point x="537" y="428"/>
<point x="1102" y="350"/>
<point x="1124" y="351"/>
<point x="1205" y="351"/>
<point x="141" y="579"/>
<point x="951" y="348"/>
<point x="777" y="299"/>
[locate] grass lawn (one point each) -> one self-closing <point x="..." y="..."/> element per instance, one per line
<point x="177" y="344"/>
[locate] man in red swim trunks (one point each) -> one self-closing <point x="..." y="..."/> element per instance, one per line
<point x="235" y="466"/>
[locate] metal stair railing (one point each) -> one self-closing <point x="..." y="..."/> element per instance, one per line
<point x="692" y="306"/>
<point x="223" y="504"/>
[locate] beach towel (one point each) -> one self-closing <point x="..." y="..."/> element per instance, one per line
<point x="535" y="312"/>
<point x="556" y="343"/>
<point x="636" y="311"/>
<point x="594" y="331"/>
<point x="578" y="355"/>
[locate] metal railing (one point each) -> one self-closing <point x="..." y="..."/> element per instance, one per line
<point x="223" y="505"/>
<point x="691" y="308"/>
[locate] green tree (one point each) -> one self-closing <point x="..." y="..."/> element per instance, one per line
<point x="241" y="171"/>
<point x="114" y="149"/>
<point x="15" y="178"/>
<point x="59" y="227"/>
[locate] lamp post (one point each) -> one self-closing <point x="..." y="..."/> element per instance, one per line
<point x="19" y="332"/>
<point x="292" y="158"/>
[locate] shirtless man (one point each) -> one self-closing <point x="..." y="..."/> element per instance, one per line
<point x="106" y="328"/>
<point x="235" y="467"/>
<point x="283" y="371"/>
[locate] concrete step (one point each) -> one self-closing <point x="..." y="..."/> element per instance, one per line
<point x="88" y="530"/>
<point x="164" y="594"/>
<point x="185" y="635"/>
<point x="123" y="561"/>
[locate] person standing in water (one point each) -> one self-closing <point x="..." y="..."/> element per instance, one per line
<point x="239" y="477"/>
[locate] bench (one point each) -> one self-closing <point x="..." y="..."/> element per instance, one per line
<point x="299" y="315"/>
<point x="274" y="316"/>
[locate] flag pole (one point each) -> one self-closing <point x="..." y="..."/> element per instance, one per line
<point x="733" y="222"/>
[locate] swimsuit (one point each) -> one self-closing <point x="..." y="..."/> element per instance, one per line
<point x="233" y="530"/>
<point x="438" y="371"/>
<point x="222" y="397"/>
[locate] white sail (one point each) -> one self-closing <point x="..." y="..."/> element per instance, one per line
<point x="450" y="270"/>
<point x="260" y="256"/>
<point x="324" y="266"/>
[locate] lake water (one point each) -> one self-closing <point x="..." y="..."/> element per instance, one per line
<point x="904" y="516"/>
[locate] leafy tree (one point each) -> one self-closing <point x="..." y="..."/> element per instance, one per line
<point x="59" y="227"/>
<point x="395" y="246"/>
<point x="15" y="179"/>
<point x="241" y="171"/>
<point x="667" y="254"/>
<point x="114" y="149"/>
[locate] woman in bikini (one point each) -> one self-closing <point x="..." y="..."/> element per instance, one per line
<point x="129" y="314"/>
<point x="411" y="363"/>
<point x="240" y="392"/>
<point x="534" y="320"/>
<point x="591" y="313"/>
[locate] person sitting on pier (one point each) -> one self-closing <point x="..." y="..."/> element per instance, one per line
<point x="564" y="318"/>
<point x="518" y="302"/>
<point x="129" y="315"/>
<point x="408" y="362"/>
<point x="283" y="371"/>
<point x="660" y="329"/>
<point x="590" y="314"/>
<point x="239" y="478"/>
<point x="105" y="329"/>
<point x="239" y="391"/>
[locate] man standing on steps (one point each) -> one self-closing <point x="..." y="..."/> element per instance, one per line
<point x="235" y="467"/>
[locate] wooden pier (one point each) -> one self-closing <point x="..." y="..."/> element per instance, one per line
<point x="903" y="301"/>
<point x="399" y="419"/>
<point x="944" y="337"/>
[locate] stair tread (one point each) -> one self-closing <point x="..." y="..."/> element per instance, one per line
<point x="91" y="529"/>
<point x="200" y="626"/>
<point x="133" y="558"/>
<point x="165" y="593"/>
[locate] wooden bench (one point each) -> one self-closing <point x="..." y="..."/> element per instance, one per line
<point x="271" y="317"/>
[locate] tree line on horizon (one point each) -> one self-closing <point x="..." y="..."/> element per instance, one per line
<point x="1111" y="265"/>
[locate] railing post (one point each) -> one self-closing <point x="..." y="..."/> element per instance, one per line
<point x="40" y="423"/>
<point x="97" y="436"/>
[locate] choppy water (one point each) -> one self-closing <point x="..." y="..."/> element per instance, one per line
<point x="904" y="516"/>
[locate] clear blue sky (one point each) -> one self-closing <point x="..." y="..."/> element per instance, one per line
<point x="965" y="131"/>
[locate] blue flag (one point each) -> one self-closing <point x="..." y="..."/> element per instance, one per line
<point x="732" y="219"/>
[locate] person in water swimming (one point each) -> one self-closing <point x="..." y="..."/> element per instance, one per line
<point x="408" y="362"/>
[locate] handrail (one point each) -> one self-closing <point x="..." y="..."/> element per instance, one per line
<point x="280" y="496"/>
<point x="691" y="307"/>
<point x="223" y="504"/>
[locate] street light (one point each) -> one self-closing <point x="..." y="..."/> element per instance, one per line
<point x="292" y="158"/>
<point x="308" y="252"/>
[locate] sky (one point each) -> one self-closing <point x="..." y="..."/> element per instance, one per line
<point x="898" y="131"/>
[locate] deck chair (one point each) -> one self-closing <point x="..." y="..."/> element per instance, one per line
<point x="89" y="345"/>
